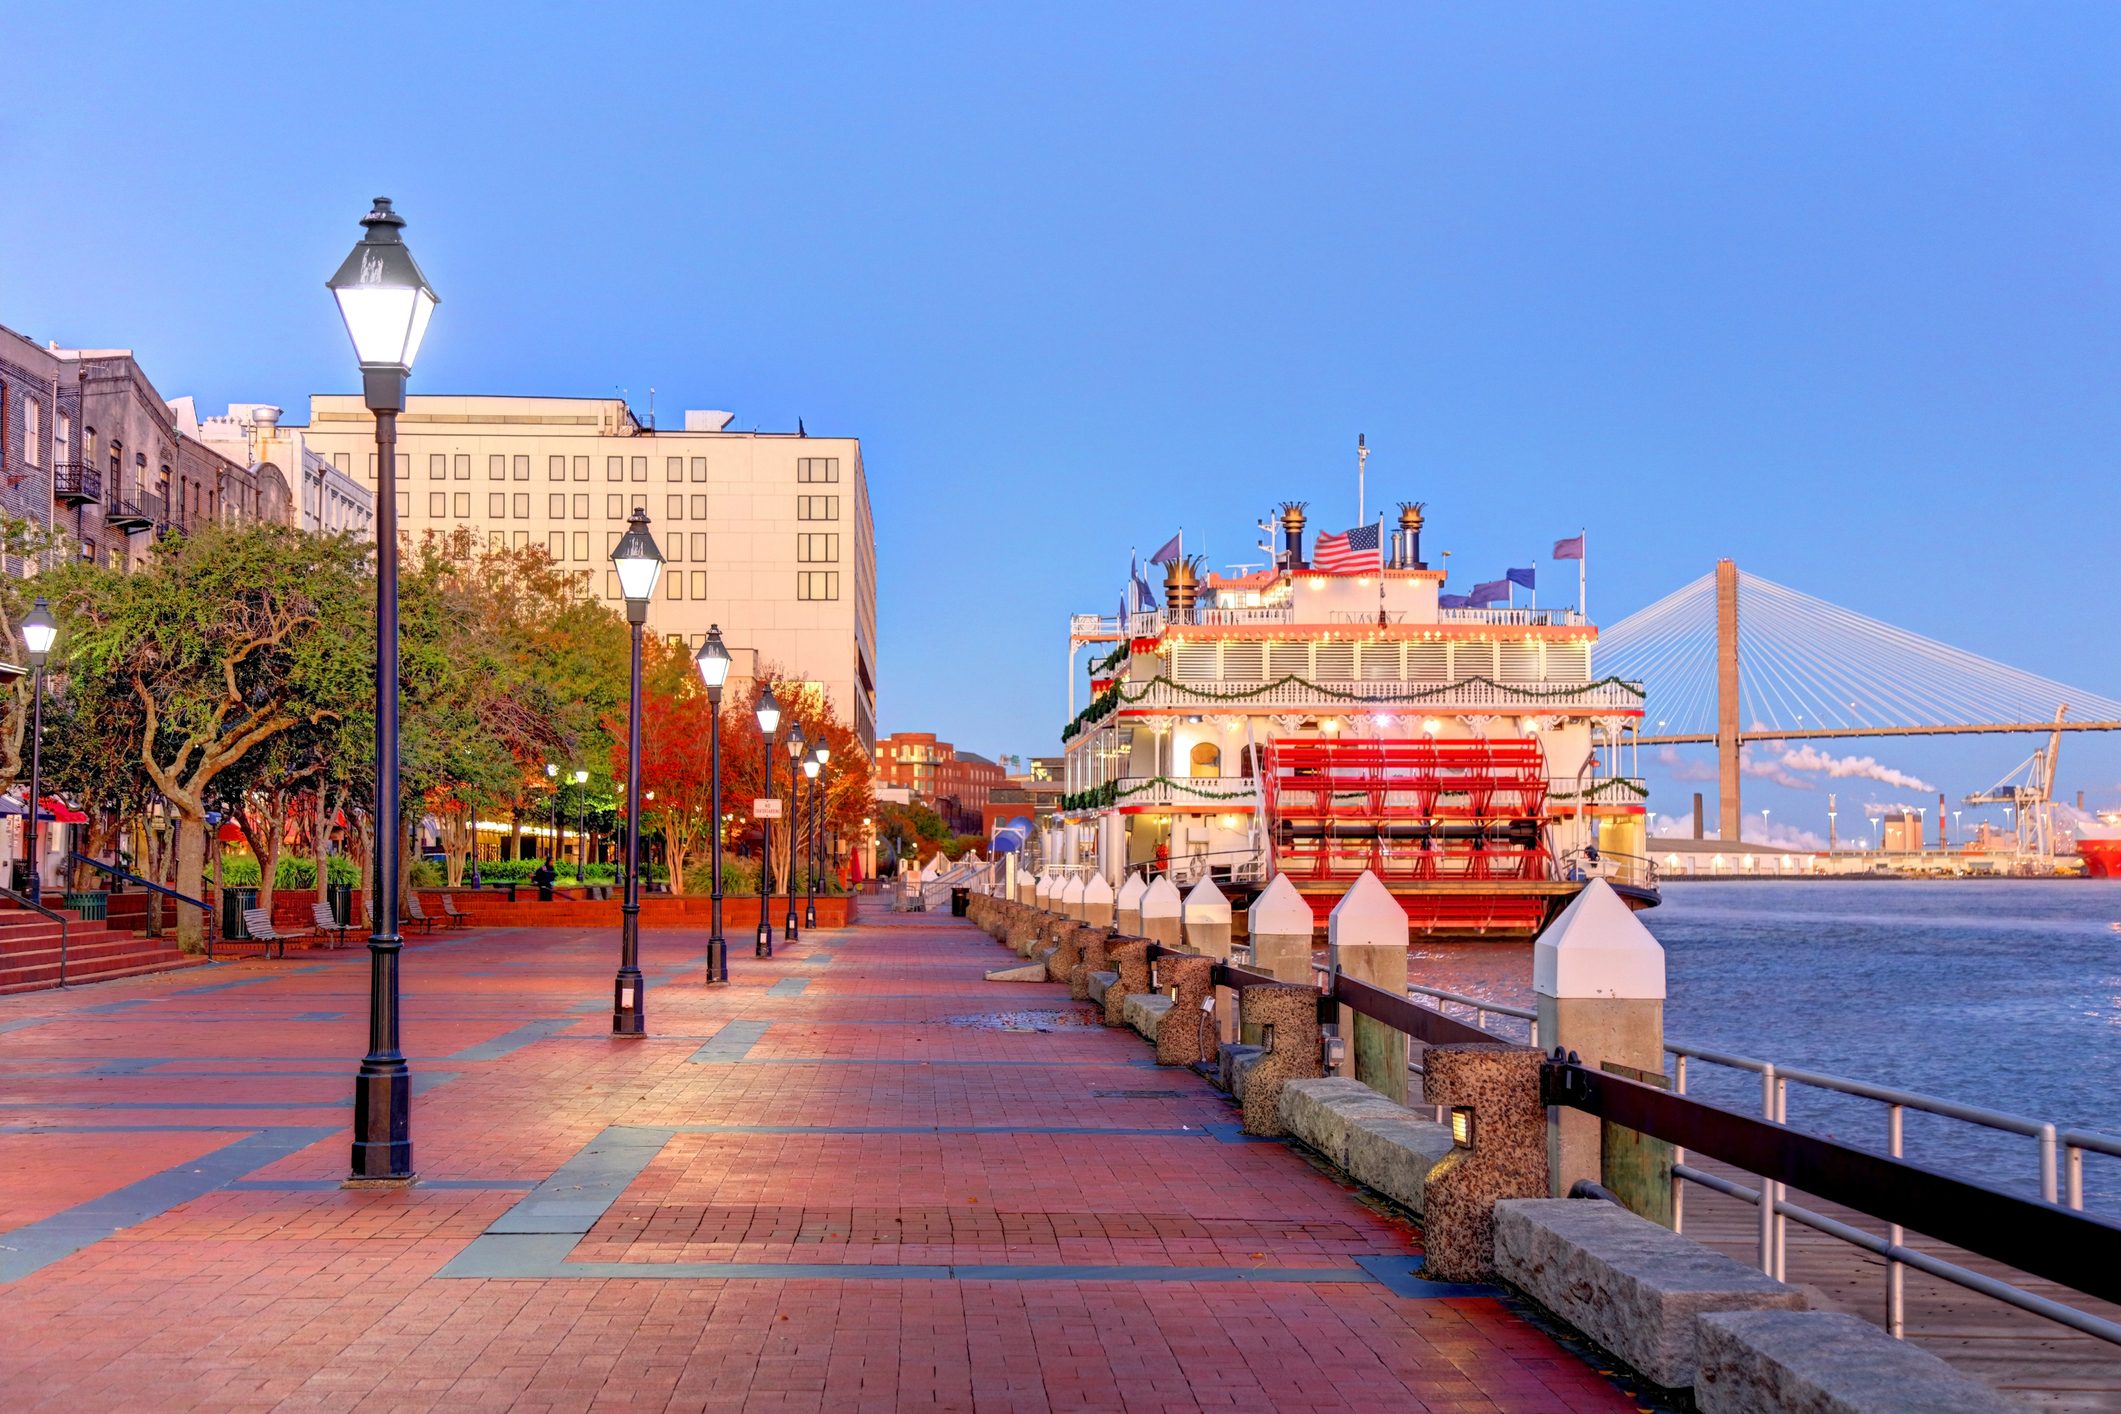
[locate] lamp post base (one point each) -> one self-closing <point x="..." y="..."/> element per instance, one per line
<point x="763" y="947"/>
<point x="629" y="1004"/>
<point x="382" y="1145"/>
<point x="810" y="915"/>
<point x="717" y="960"/>
<point x="792" y="926"/>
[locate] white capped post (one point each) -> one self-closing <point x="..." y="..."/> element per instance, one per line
<point x="1129" y="902"/>
<point x="1366" y="939"/>
<point x="1162" y="913"/>
<point x="1097" y="901"/>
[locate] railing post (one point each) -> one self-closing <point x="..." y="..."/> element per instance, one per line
<point x="1128" y="902"/>
<point x="1599" y="978"/>
<point x="1366" y="939"/>
<point x="1161" y="913"/>
<point x="1278" y="926"/>
<point x="1207" y="928"/>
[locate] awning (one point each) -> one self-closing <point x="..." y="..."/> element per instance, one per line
<point x="230" y="833"/>
<point x="54" y="810"/>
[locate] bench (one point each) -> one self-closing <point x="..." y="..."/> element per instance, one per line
<point x="456" y="917"/>
<point x="325" y="924"/>
<point x="1752" y="1362"/>
<point x="258" y="923"/>
<point x="416" y="914"/>
<point x="1632" y="1286"/>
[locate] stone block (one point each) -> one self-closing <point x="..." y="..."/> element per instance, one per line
<point x="1030" y="972"/>
<point x="1508" y="1158"/>
<point x="1236" y="1062"/>
<point x="1145" y="1012"/>
<point x="1097" y="957"/>
<point x="1099" y="984"/>
<point x="1824" y="1362"/>
<point x="1319" y="1112"/>
<point x="1130" y="960"/>
<point x="1188" y="1033"/>
<point x="1625" y="1282"/>
<point x="1287" y="1017"/>
<point x="1395" y="1154"/>
<point x="1066" y="955"/>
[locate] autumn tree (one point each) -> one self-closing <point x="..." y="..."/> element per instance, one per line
<point x="847" y="783"/>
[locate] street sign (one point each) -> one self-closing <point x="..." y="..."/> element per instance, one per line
<point x="765" y="809"/>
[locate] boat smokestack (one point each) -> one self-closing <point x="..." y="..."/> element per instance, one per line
<point x="1697" y="814"/>
<point x="1292" y="532"/>
<point x="1181" y="589"/>
<point x="1408" y="552"/>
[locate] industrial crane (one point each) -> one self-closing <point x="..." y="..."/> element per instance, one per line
<point x="2029" y="789"/>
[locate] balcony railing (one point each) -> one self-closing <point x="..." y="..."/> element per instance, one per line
<point x="1538" y="696"/>
<point x="76" y="483"/>
<point x="120" y="513"/>
<point x="1513" y="618"/>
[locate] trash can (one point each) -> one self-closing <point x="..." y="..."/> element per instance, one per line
<point x="960" y="900"/>
<point x="18" y="875"/>
<point x="233" y="902"/>
<point x="340" y="896"/>
<point x="93" y="905"/>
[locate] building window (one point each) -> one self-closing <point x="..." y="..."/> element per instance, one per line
<point x="496" y="467"/>
<point x="460" y="467"/>
<point x="521" y="508"/>
<point x="437" y="466"/>
<point x="496" y="505"/>
<point x="522" y="468"/>
<point x="674" y="469"/>
<point x="461" y="505"/>
<point x="581" y="468"/>
<point x="556" y="469"/>
<point x="699" y="584"/>
<point x="556" y="505"/>
<point x="614" y="468"/>
<point x="88" y="551"/>
<point x="640" y="468"/>
<point x="675" y="544"/>
<point x="404" y="503"/>
<point x="699" y="508"/>
<point x="699" y="468"/>
<point x="556" y="544"/>
<point x="341" y="462"/>
<point x="818" y="469"/>
<point x="615" y="506"/>
<point x="581" y="545"/>
<point x="611" y="542"/>
<point x="496" y="539"/>
<point x="32" y="429"/>
<point x="673" y="586"/>
<point x="677" y="508"/>
<point x="637" y="502"/>
<point x="818" y="548"/>
<point x="699" y="548"/>
<point x="817" y="508"/>
<point x="611" y="584"/>
<point x="522" y="540"/>
<point x="438" y="504"/>
<point x="817" y="584"/>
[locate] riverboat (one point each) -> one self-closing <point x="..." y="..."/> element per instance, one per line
<point x="2099" y="846"/>
<point x="1336" y="713"/>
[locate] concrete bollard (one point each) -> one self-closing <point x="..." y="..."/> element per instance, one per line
<point x="1506" y="1159"/>
<point x="1280" y="923"/>
<point x="1598" y="975"/>
<point x="1207" y="918"/>
<point x="1163" y="913"/>
<point x="1286" y="1020"/>
<point x="1128" y="905"/>
<point x="1130" y="959"/>
<point x="1098" y="902"/>
<point x="1366" y="939"/>
<point x="1187" y="1035"/>
<point x="1097" y="957"/>
<point x="1042" y="892"/>
<point x="1071" y="899"/>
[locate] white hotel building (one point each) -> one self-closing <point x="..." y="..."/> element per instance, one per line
<point x="766" y="533"/>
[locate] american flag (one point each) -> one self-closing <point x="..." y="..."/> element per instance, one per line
<point x="1353" y="552"/>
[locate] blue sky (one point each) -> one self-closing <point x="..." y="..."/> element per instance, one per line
<point x="1831" y="289"/>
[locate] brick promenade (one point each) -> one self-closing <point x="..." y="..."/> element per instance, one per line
<point x="858" y="1178"/>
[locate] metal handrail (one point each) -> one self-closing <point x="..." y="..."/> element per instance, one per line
<point x="35" y="907"/>
<point x="120" y="873"/>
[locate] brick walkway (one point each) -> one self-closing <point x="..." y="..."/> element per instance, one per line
<point x="859" y="1178"/>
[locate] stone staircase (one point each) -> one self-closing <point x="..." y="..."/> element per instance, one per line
<point x="96" y="951"/>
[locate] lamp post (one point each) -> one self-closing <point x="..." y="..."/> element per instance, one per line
<point x="713" y="663"/>
<point x="769" y="715"/>
<point x="552" y="850"/>
<point x="639" y="564"/>
<point x="810" y="770"/>
<point x="39" y="632"/>
<point x="791" y="925"/>
<point x="386" y="303"/>
<point x="817" y="770"/>
<point x="581" y="806"/>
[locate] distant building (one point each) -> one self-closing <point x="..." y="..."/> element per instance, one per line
<point x="322" y="499"/>
<point x="1903" y="832"/>
<point x="955" y="784"/>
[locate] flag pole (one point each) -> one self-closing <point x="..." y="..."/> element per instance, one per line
<point x="1583" y="607"/>
<point x="1533" y="592"/>
<point x="1362" y="467"/>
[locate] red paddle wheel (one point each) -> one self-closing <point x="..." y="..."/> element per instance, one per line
<point x="1430" y="818"/>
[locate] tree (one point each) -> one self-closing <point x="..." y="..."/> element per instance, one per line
<point x="847" y="792"/>
<point x="216" y="646"/>
<point x="677" y="759"/>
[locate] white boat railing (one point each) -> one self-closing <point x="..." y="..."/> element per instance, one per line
<point x="1537" y="696"/>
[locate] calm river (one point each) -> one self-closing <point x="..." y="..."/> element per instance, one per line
<point x="2003" y="993"/>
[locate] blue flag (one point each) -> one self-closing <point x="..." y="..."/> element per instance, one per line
<point x="1453" y="601"/>
<point x="1528" y="578"/>
<point x="1170" y="551"/>
<point x="1495" y="591"/>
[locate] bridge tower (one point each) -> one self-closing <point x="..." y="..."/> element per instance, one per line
<point x="1727" y="728"/>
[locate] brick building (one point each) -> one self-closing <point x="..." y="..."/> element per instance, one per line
<point x="953" y="783"/>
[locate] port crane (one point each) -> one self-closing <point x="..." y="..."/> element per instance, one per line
<point x="2029" y="790"/>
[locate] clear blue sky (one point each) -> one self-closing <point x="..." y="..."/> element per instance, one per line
<point x="1828" y="288"/>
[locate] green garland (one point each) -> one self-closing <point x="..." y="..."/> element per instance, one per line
<point x="1119" y="695"/>
<point x="1108" y="794"/>
<point x="1640" y="792"/>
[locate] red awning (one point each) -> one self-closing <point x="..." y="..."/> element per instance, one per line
<point x="53" y="808"/>
<point x="230" y="833"/>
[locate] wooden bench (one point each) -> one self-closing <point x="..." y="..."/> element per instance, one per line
<point x="416" y="914"/>
<point x="325" y="924"/>
<point x="258" y="923"/>
<point x="454" y="916"/>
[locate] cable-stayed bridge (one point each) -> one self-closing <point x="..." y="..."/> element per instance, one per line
<point x="1733" y="658"/>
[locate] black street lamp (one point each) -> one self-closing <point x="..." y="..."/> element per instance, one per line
<point x="713" y="663"/>
<point x="39" y="632"/>
<point x="769" y="714"/>
<point x="639" y="564"/>
<point x="552" y="850"/>
<point x="386" y="303"/>
<point x="821" y="757"/>
<point x="810" y="770"/>
<point x="791" y="926"/>
<point x="581" y="805"/>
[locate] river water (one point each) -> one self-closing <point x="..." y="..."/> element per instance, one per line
<point x="1999" y="993"/>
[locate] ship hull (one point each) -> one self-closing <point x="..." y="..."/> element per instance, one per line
<point x="2102" y="857"/>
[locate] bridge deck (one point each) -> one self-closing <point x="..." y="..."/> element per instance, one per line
<point x="859" y="1178"/>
